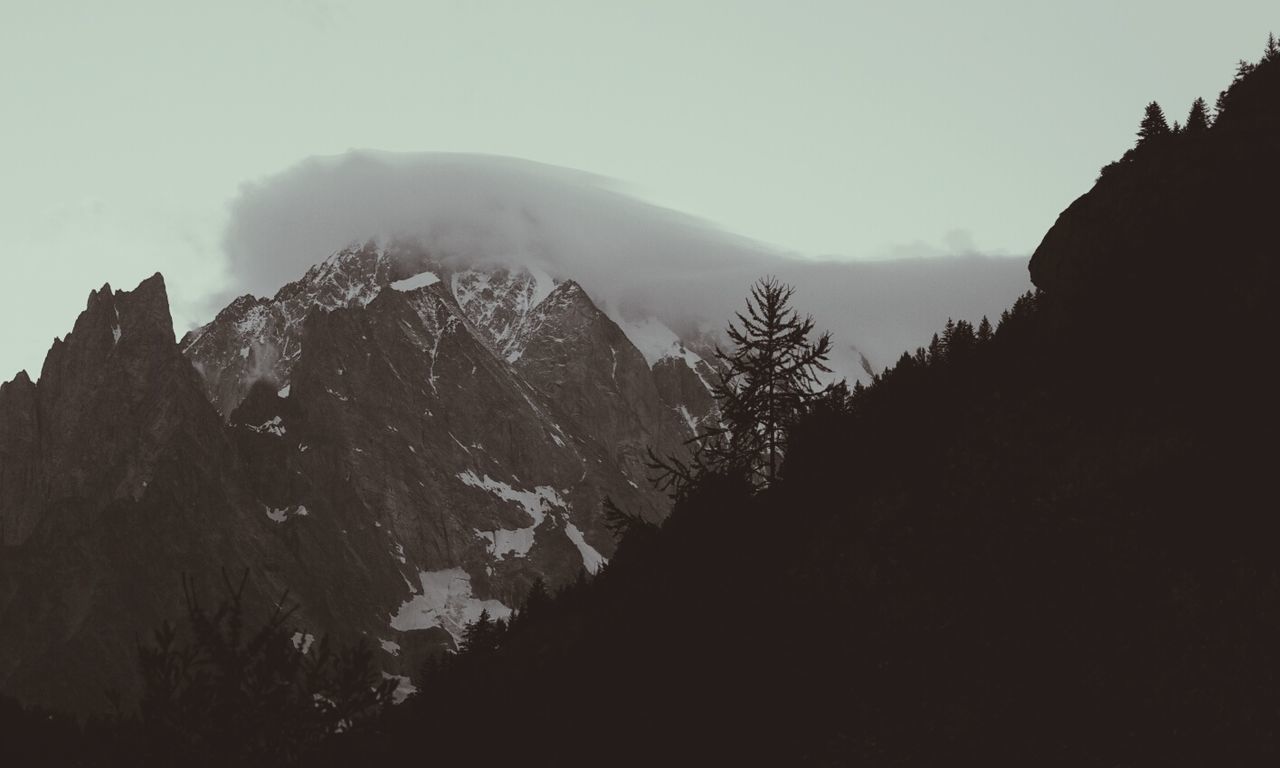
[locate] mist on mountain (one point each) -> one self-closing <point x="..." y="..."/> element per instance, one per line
<point x="637" y="260"/>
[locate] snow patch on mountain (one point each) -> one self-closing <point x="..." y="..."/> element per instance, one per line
<point x="420" y="280"/>
<point x="592" y="560"/>
<point x="656" y="341"/>
<point x="501" y="303"/>
<point x="543" y="285"/>
<point x="404" y="687"/>
<point x="506" y="541"/>
<point x="302" y="641"/>
<point x="254" y="321"/>
<point x="285" y="513"/>
<point x="273" y="427"/>
<point x="688" y="417"/>
<point x="519" y="541"/>
<point x="446" y="601"/>
<point x="532" y="501"/>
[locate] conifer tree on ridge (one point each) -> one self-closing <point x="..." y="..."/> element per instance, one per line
<point x="1198" y="118"/>
<point x="1154" y="125"/>
<point x="770" y="376"/>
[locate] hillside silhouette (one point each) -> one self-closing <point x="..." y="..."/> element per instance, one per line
<point x="1049" y="542"/>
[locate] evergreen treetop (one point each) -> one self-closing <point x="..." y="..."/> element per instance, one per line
<point x="1198" y="118"/>
<point x="483" y="635"/>
<point x="985" y="331"/>
<point x="770" y="375"/>
<point x="768" y="379"/>
<point x="1154" y="125"/>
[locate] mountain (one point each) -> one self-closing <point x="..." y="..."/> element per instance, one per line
<point x="398" y="443"/>
<point x="993" y="555"/>
<point x="487" y="398"/>
<point x="1048" y="544"/>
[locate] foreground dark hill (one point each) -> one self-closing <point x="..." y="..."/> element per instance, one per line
<point x="993" y="555"/>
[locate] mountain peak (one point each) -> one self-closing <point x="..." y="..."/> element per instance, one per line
<point x="118" y="367"/>
<point x="21" y="379"/>
<point x="253" y="337"/>
<point x="153" y="286"/>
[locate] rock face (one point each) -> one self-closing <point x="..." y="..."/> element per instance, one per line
<point x="19" y="460"/>
<point x="113" y="402"/>
<point x="115" y="478"/>
<point x="399" y="443"/>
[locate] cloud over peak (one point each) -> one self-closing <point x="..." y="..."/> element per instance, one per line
<point x="636" y="259"/>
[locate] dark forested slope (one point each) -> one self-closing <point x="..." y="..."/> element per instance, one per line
<point x="994" y="553"/>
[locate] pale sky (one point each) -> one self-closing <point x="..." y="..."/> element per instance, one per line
<point x="846" y="129"/>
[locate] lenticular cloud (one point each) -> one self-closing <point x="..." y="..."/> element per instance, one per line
<point x="637" y="260"/>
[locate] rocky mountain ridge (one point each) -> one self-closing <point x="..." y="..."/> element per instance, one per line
<point x="399" y="444"/>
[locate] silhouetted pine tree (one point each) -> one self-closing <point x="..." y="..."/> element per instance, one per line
<point x="1198" y="118"/>
<point x="618" y="522"/>
<point x="961" y="340"/>
<point x="984" y="330"/>
<point x="948" y="332"/>
<point x="1272" y="51"/>
<point x="1244" y="68"/>
<point x="937" y="351"/>
<point x="770" y="376"/>
<point x="483" y="635"/>
<point x="1154" y="125"/>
